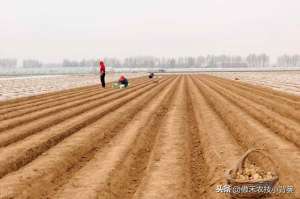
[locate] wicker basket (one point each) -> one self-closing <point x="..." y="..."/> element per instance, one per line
<point x="242" y="186"/>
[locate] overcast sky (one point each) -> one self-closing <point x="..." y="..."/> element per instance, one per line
<point x="51" y="30"/>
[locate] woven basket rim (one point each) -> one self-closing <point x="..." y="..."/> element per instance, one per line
<point x="229" y="177"/>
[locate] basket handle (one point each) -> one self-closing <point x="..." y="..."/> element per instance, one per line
<point x="241" y="162"/>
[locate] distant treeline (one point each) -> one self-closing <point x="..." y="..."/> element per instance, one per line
<point x="209" y="61"/>
<point x="287" y="60"/>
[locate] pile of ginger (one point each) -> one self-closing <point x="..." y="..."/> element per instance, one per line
<point x="253" y="172"/>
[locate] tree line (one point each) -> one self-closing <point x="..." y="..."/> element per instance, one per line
<point x="288" y="60"/>
<point x="209" y="61"/>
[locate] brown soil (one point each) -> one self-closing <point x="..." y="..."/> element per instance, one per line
<point x="169" y="139"/>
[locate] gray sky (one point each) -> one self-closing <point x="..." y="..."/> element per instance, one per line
<point x="54" y="29"/>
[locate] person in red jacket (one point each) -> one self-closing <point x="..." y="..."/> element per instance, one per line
<point x="123" y="81"/>
<point x="102" y="73"/>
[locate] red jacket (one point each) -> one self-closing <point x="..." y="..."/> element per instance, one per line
<point x="101" y="67"/>
<point x="122" y="78"/>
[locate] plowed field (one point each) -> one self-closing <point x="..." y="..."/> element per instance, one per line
<point x="169" y="139"/>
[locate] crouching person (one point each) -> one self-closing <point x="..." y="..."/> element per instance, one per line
<point x="151" y="75"/>
<point x="123" y="81"/>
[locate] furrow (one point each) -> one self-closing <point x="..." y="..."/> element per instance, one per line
<point x="52" y="96"/>
<point x="198" y="167"/>
<point x="113" y="171"/>
<point x="168" y="172"/>
<point x="220" y="149"/>
<point x="60" y="113"/>
<point x="20" y="153"/>
<point x="34" y="179"/>
<point x="282" y="107"/>
<point x="283" y="126"/>
<point x="10" y="110"/>
<point x="268" y="92"/>
<point x="13" y="103"/>
<point x="57" y="117"/>
<point x="38" y="106"/>
<point x="251" y="133"/>
<point x="170" y="139"/>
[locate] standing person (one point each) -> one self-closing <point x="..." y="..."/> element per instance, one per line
<point x="102" y="73"/>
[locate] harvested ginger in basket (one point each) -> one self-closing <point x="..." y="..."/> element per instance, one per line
<point x="253" y="172"/>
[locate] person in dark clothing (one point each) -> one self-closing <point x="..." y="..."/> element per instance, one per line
<point x="102" y="73"/>
<point x="123" y="81"/>
<point x="151" y="75"/>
